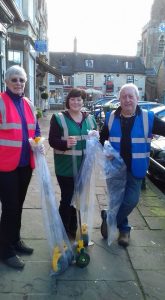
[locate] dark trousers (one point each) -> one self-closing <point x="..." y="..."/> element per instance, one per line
<point x="67" y="212"/>
<point x="13" y="188"/>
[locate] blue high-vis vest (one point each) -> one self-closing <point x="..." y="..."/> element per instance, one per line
<point x="141" y="135"/>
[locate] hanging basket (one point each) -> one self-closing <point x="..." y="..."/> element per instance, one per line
<point x="44" y="95"/>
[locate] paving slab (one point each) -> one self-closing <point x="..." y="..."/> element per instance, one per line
<point x="148" y="193"/>
<point x="156" y="222"/>
<point x="147" y="258"/>
<point x="151" y="201"/>
<point x="153" y="284"/>
<point x="136" y="220"/>
<point x="152" y="211"/>
<point x="147" y="238"/>
<point x="32" y="224"/>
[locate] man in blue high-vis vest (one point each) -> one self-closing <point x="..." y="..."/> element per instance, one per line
<point x="129" y="130"/>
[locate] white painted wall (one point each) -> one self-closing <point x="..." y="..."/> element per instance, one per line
<point x="99" y="80"/>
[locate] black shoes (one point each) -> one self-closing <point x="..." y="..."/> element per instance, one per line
<point x="123" y="239"/>
<point x="23" y="248"/>
<point x="104" y="231"/>
<point x="14" y="262"/>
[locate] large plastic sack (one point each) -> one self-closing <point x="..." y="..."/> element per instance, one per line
<point x="85" y="182"/>
<point x="115" y="173"/>
<point x="59" y="245"/>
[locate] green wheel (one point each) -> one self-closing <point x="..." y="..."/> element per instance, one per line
<point x="82" y="260"/>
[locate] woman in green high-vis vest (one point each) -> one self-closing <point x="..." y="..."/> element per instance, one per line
<point x="68" y="131"/>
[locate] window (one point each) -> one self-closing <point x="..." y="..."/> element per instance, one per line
<point x="51" y="78"/>
<point x="89" y="80"/>
<point x="161" y="45"/>
<point x="19" y="4"/>
<point x="89" y="63"/>
<point x="130" y="79"/>
<point x="109" y="78"/>
<point x="67" y="80"/>
<point x="15" y="58"/>
<point x="129" y="65"/>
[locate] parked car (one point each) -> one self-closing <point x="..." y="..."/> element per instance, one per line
<point x="99" y="103"/>
<point x="157" y="155"/>
<point x="149" y="105"/>
<point x="159" y="111"/>
<point x="157" y="162"/>
<point x="143" y="104"/>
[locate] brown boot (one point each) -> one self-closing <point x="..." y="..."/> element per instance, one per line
<point x="123" y="239"/>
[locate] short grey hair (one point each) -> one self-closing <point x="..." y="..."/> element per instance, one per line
<point x="129" y="85"/>
<point x="15" y="70"/>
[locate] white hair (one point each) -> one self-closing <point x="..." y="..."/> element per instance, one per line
<point x="15" y="70"/>
<point x="129" y="85"/>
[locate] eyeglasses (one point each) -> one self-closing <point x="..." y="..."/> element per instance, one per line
<point x="21" y="80"/>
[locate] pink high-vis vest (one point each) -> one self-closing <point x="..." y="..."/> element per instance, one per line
<point x="11" y="132"/>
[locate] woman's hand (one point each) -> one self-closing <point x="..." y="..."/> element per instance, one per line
<point x="71" y="141"/>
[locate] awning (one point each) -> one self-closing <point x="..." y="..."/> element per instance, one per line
<point x="48" y="68"/>
<point x="6" y="15"/>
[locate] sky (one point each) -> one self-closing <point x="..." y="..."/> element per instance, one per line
<point x="100" y="26"/>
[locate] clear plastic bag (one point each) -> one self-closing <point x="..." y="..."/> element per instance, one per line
<point x="113" y="163"/>
<point x="115" y="172"/>
<point x="59" y="245"/>
<point x="85" y="182"/>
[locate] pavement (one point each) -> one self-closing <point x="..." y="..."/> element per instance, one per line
<point x="114" y="273"/>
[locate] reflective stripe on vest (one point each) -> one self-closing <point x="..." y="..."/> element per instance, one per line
<point x="114" y="139"/>
<point x="78" y="138"/>
<point x="10" y="126"/>
<point x="141" y="155"/>
<point x="16" y="126"/>
<point x="70" y="152"/>
<point x="63" y="122"/>
<point x="10" y="143"/>
<point x="111" y="118"/>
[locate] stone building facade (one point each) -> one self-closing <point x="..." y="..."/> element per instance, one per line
<point x="152" y="51"/>
<point x="23" y="41"/>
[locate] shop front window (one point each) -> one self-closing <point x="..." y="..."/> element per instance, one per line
<point x="15" y="58"/>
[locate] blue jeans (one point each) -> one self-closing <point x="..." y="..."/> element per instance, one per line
<point x="131" y="198"/>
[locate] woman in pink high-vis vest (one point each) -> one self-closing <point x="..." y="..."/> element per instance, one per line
<point x="17" y="124"/>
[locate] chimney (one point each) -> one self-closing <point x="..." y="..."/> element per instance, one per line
<point x="75" y="45"/>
